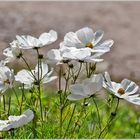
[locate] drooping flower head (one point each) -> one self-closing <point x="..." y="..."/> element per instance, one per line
<point x="30" y="42"/>
<point x="16" y="121"/>
<point x="125" y="90"/>
<point x="86" y="89"/>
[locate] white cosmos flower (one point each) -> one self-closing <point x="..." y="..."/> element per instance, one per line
<point x="83" y="54"/>
<point x="6" y="78"/>
<point x="86" y="89"/>
<point x="16" y="121"/>
<point x="2" y="63"/>
<point x="29" y="42"/>
<point x="31" y="78"/>
<point x="85" y="37"/>
<point x="58" y="56"/>
<point x="5" y="125"/>
<point x="124" y="90"/>
<point x="54" y="56"/>
<point x="13" y="52"/>
<point x="74" y="53"/>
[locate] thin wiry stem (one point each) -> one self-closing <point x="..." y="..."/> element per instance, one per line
<point x="75" y="78"/>
<point x="16" y="95"/>
<point x="81" y="113"/>
<point x="4" y="107"/>
<point x="109" y="120"/>
<point x="39" y="86"/>
<point x="99" y="119"/>
<point x="70" y="120"/>
<point x="60" y="98"/>
<point x="9" y="105"/>
<point x="28" y="67"/>
<point x="22" y="99"/>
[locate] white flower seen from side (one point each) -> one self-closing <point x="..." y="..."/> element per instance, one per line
<point x="29" y="42"/>
<point x="58" y="56"/>
<point x="6" y="78"/>
<point x="125" y="90"/>
<point x="83" y="54"/>
<point x="87" y="88"/>
<point x="13" y="52"/>
<point x="16" y="121"/>
<point x="54" y="56"/>
<point x="30" y="78"/>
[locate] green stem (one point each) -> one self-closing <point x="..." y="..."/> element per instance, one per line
<point x="39" y="86"/>
<point x="34" y="125"/>
<point x="87" y="70"/>
<point x="22" y="99"/>
<point x="109" y="120"/>
<point x="81" y="112"/>
<point x="99" y="119"/>
<point x="28" y="67"/>
<point x="93" y="70"/>
<point x="60" y="97"/>
<point x="75" y="78"/>
<point x="4" y="107"/>
<point x="9" y="105"/>
<point x="70" y="121"/>
<point x="16" y="95"/>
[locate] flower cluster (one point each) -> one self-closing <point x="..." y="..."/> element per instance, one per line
<point x="79" y="51"/>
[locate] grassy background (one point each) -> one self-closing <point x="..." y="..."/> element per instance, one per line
<point x="125" y="123"/>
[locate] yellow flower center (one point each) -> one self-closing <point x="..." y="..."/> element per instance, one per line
<point x="121" y="91"/>
<point x="89" y="45"/>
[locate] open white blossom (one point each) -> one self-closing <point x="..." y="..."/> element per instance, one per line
<point x="6" y="78"/>
<point x="87" y="88"/>
<point x="86" y="38"/>
<point x="29" y="42"/>
<point x="16" y="121"/>
<point x="30" y="78"/>
<point x="125" y="90"/>
<point x="13" y="52"/>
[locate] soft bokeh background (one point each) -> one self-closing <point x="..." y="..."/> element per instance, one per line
<point x="119" y="20"/>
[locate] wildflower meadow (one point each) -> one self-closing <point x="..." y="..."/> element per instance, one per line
<point x="84" y="104"/>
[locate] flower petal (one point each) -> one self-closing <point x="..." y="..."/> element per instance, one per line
<point x="98" y="36"/>
<point x="48" y="38"/>
<point x="77" y="89"/>
<point x="18" y="121"/>
<point x="4" y="125"/>
<point x="25" y="77"/>
<point x="73" y="97"/>
<point x="48" y="79"/>
<point x="106" y="45"/>
<point x="85" y="35"/>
